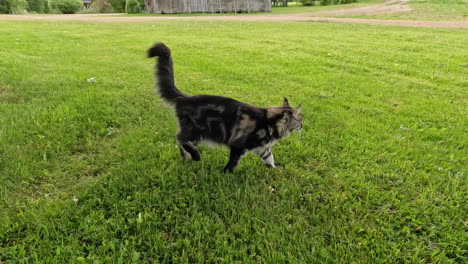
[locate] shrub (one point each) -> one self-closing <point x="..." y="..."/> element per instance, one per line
<point x="36" y="6"/>
<point x="3" y="7"/>
<point x="67" y="6"/>
<point x="325" y="2"/>
<point x="132" y="7"/>
<point x="307" y="2"/>
<point x="103" y="6"/>
<point x="46" y="8"/>
<point x="12" y="6"/>
<point x="118" y="6"/>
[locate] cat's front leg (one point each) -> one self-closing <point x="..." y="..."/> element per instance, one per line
<point x="267" y="157"/>
<point x="270" y="161"/>
<point x="234" y="158"/>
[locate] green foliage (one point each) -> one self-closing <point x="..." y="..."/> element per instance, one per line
<point x="3" y="7"/>
<point x="325" y="2"/>
<point x="67" y="6"/>
<point x="103" y="6"/>
<point x="132" y="7"/>
<point x="36" y="6"/>
<point x="307" y="2"/>
<point x="46" y="8"/>
<point x="12" y="6"/>
<point x="90" y="171"/>
<point x="118" y="6"/>
<point x="346" y="1"/>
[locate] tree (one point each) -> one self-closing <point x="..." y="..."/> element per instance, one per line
<point x="36" y="6"/>
<point x="118" y="5"/>
<point x="67" y="6"/>
<point x="46" y="8"/>
<point x="12" y="6"/>
<point x="132" y="7"/>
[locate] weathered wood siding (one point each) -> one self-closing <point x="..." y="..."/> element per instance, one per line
<point x="209" y="6"/>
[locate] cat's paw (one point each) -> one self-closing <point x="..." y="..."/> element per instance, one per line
<point x="196" y="157"/>
<point x="228" y="169"/>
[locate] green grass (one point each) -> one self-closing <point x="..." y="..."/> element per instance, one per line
<point x="430" y="10"/>
<point x="90" y="172"/>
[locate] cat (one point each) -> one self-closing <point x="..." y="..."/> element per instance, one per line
<point x="221" y="120"/>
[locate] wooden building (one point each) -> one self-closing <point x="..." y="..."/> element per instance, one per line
<point x="86" y="4"/>
<point x="206" y="6"/>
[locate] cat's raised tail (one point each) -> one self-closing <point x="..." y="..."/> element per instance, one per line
<point x="165" y="73"/>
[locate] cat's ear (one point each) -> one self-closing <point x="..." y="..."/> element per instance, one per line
<point x="286" y="103"/>
<point x="297" y="111"/>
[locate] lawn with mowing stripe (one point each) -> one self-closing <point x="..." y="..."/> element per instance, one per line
<point x="428" y="10"/>
<point x="90" y="171"/>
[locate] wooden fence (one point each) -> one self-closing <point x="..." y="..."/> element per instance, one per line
<point x="206" y="6"/>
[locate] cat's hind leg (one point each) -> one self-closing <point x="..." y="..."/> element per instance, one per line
<point x="187" y="143"/>
<point x="189" y="136"/>
<point x="185" y="155"/>
<point x="188" y="149"/>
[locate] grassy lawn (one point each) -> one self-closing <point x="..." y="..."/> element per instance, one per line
<point x="90" y="172"/>
<point x="430" y="10"/>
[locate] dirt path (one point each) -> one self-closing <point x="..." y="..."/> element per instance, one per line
<point x="391" y="6"/>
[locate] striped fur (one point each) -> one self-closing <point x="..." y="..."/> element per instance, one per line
<point x="221" y="120"/>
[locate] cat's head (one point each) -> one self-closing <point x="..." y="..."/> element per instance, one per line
<point x="285" y="119"/>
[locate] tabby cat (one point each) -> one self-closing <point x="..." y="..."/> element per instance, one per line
<point x="221" y="120"/>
